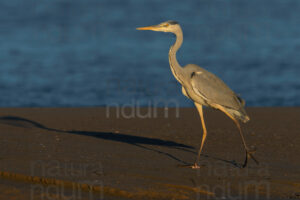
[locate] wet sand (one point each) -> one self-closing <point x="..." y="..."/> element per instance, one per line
<point x="95" y="153"/>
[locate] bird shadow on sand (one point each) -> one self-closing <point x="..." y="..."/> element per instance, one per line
<point x="138" y="141"/>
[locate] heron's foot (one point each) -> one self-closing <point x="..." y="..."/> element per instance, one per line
<point x="253" y="158"/>
<point x="194" y="166"/>
<point x="249" y="154"/>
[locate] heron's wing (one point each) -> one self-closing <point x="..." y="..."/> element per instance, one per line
<point x="213" y="89"/>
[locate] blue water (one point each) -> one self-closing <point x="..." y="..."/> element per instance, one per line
<point x="88" y="53"/>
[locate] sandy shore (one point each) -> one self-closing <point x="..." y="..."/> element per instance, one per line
<point x="94" y="153"/>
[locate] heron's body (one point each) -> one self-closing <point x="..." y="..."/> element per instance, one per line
<point x="200" y="87"/>
<point x="203" y="87"/>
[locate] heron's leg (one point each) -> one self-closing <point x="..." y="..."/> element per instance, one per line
<point x="200" y="110"/>
<point x="248" y="152"/>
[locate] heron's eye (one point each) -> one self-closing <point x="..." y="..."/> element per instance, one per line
<point x="166" y="25"/>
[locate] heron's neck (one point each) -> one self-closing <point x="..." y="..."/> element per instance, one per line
<point x="175" y="67"/>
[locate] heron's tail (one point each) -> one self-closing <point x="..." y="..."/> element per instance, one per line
<point x="239" y="114"/>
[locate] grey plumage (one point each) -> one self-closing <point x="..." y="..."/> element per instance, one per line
<point x="214" y="91"/>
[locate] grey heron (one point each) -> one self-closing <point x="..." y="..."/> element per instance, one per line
<point x="204" y="88"/>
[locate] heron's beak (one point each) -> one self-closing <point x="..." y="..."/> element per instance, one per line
<point x="152" y="28"/>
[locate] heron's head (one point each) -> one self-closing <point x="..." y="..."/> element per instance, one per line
<point x="168" y="26"/>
